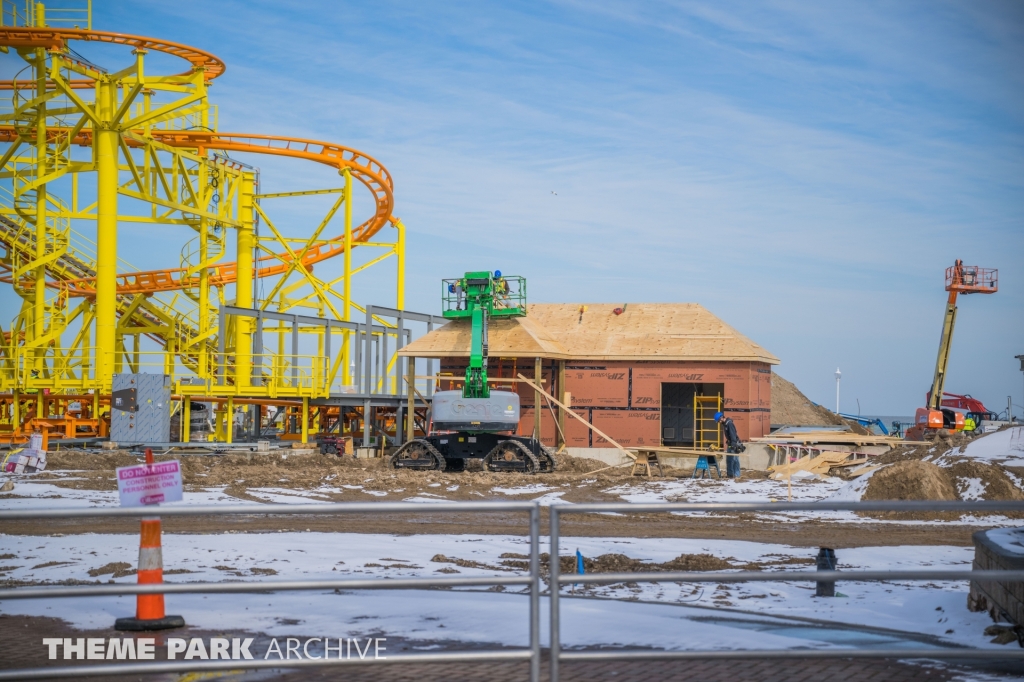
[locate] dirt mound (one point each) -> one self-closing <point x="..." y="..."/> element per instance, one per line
<point x="620" y="563"/>
<point x="793" y="408"/>
<point x="911" y="480"/>
<point x="101" y="461"/>
<point x="565" y="464"/>
<point x="992" y="477"/>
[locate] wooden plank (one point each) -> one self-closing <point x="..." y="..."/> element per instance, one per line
<point x="819" y="464"/>
<point x="578" y="418"/>
<point x="867" y="468"/>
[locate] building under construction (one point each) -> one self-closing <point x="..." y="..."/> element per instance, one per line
<point x="647" y="374"/>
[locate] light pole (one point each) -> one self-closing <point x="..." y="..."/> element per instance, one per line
<point x="839" y="375"/>
<point x="1009" y="408"/>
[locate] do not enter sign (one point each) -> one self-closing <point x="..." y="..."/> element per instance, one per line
<point x="146" y="484"/>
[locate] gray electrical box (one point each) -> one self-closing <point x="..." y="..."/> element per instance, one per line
<point x="140" y="408"/>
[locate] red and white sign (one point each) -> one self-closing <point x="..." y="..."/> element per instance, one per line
<point x="145" y="484"/>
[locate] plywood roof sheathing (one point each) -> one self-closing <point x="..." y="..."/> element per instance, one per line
<point x="643" y="331"/>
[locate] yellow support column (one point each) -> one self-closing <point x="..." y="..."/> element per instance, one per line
<point x="204" y="275"/>
<point x="347" y="275"/>
<point x="243" y="284"/>
<point x="229" y="436"/>
<point x="106" y="140"/>
<point x="39" y="302"/>
<point x="305" y="419"/>
<point x="186" y="419"/>
<point x="400" y="258"/>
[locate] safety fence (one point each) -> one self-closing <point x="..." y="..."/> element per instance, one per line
<point x="557" y="581"/>
<point x="532" y="579"/>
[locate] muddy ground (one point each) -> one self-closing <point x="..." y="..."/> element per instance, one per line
<point x="323" y="478"/>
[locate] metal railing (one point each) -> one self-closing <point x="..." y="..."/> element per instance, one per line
<point x="532" y="580"/>
<point x="558" y="580"/>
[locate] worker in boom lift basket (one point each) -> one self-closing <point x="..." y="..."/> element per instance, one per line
<point x="732" y="443"/>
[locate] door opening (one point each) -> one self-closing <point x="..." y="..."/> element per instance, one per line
<point x="678" y="403"/>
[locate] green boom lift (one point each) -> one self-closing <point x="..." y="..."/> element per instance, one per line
<point x="477" y="422"/>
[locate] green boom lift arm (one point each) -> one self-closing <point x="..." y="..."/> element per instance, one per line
<point x="481" y="296"/>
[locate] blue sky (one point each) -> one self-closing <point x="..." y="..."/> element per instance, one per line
<point x="805" y="170"/>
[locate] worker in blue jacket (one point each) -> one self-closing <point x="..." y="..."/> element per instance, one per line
<point x="732" y="444"/>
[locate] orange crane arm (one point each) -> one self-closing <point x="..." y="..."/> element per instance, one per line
<point x="960" y="279"/>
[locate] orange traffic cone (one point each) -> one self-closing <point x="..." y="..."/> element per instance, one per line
<point x="149" y="608"/>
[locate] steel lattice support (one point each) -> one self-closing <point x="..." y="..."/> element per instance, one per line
<point x="85" y="151"/>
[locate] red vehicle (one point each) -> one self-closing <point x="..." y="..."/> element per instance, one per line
<point x="971" y="406"/>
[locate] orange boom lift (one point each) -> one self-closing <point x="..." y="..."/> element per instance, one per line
<point x="933" y="419"/>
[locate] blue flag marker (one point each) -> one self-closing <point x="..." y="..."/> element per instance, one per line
<point x="579" y="563"/>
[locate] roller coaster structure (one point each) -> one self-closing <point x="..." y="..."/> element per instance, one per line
<point x="85" y="314"/>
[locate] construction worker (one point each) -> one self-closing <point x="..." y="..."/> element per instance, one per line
<point x="969" y="423"/>
<point x="732" y="443"/>
<point x="501" y="290"/>
<point x="457" y="289"/>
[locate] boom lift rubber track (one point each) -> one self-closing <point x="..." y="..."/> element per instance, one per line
<point x="449" y="452"/>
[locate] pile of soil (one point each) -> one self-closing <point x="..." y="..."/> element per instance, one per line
<point x="578" y="465"/>
<point x="939" y="445"/>
<point x="998" y="486"/>
<point x="911" y="480"/>
<point x="607" y="563"/>
<point x="792" y="408"/>
<point x="915" y="479"/>
<point x="620" y="563"/>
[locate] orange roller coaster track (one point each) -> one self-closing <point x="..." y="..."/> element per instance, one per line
<point x="363" y="167"/>
<point x="57" y="39"/>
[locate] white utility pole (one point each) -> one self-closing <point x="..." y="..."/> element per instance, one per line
<point x="1009" y="399"/>
<point x="839" y="375"/>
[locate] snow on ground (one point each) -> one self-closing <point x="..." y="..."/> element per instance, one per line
<point x="39" y="494"/>
<point x="1010" y="539"/>
<point x="731" y="490"/>
<point x="32" y="493"/>
<point x="936" y="609"/>
<point x="970" y="488"/>
<point x="1003" y="447"/>
<point x="523" y="489"/>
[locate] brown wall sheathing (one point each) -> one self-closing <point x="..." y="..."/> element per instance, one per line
<point x="623" y="399"/>
<point x="598" y="385"/>
<point x="549" y="431"/>
<point x="630" y="428"/>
